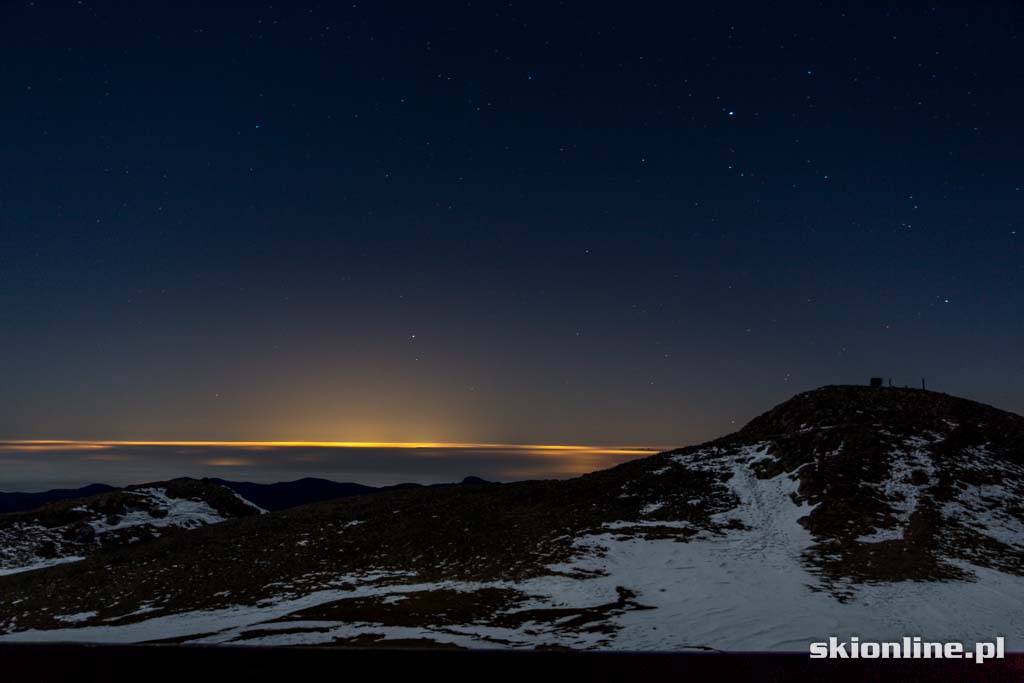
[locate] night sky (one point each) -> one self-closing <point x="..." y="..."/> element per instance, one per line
<point x="501" y="223"/>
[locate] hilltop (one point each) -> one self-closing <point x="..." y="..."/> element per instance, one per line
<point x="844" y="509"/>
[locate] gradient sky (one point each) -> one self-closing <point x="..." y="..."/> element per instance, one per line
<point x="39" y="466"/>
<point x="529" y="222"/>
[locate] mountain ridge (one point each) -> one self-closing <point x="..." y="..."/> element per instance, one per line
<point x="843" y="510"/>
<point x="68" y="530"/>
<point x="308" y="490"/>
<point x="18" y="501"/>
<point x="272" y="496"/>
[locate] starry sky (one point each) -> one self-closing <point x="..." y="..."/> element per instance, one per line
<point x="500" y="223"/>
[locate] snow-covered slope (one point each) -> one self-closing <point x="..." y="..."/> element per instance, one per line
<point x="67" y="531"/>
<point x="846" y="511"/>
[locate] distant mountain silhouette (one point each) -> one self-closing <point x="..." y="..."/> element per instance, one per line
<point x="18" y="502"/>
<point x="270" y="497"/>
<point x="289" y="494"/>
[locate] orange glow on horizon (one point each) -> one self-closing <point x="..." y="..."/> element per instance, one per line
<point x="229" y="462"/>
<point x="70" y="444"/>
<point x="16" y="446"/>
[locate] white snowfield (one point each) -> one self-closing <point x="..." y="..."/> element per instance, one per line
<point x="744" y="589"/>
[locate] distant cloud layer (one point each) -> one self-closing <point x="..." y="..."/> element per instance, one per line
<point x="40" y="465"/>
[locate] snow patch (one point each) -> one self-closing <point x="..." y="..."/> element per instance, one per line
<point x="741" y="588"/>
<point x="181" y="512"/>
<point x="899" y="488"/>
<point x="76" y="618"/>
<point x="247" y="501"/>
<point x="40" y="564"/>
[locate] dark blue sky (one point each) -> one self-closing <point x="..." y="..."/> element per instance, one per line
<point x="501" y="222"/>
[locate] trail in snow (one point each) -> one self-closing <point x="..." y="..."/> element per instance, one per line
<point x="743" y="589"/>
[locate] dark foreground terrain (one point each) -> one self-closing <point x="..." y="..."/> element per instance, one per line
<point x="843" y="511"/>
<point x="108" y="664"/>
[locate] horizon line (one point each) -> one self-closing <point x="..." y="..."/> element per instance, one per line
<point x="99" y="444"/>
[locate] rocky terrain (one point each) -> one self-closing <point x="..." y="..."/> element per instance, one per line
<point x="70" y="530"/>
<point x="877" y="512"/>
